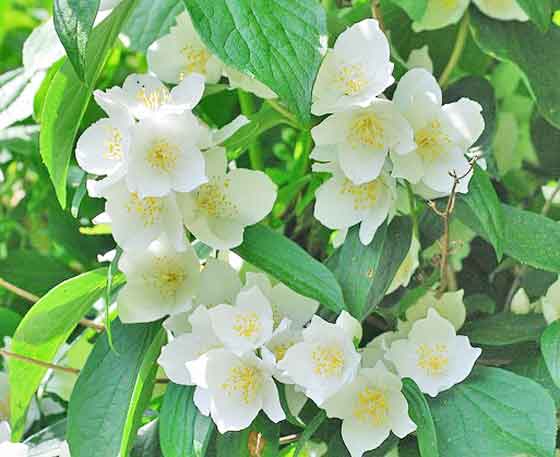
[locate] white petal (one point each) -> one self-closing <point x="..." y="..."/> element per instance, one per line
<point x="216" y="162"/>
<point x="465" y="115"/>
<point x="140" y="304"/>
<point x="373" y="220"/>
<point x="173" y="359"/>
<point x="202" y="400"/>
<point x="401" y="424"/>
<point x="504" y="10"/>
<point x="164" y="58"/>
<point x="360" y="437"/>
<point x="219" y="283"/>
<point x="416" y="90"/>
<point x="361" y="164"/>
<point x="335" y="208"/>
<point x="437" y="172"/>
<point x="271" y="402"/>
<point x="441" y="13"/>
<point x="434" y="329"/>
<point x="297" y="308"/>
<point x="188" y="92"/>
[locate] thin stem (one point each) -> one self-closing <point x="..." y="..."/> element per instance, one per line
<point x="457" y="51"/>
<point x="288" y="439"/>
<point x="377" y="13"/>
<point x="247" y="105"/>
<point x="39" y="363"/>
<point x="413" y="210"/>
<point x="290" y="118"/>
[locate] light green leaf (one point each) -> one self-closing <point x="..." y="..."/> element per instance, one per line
<point x="43" y="330"/>
<point x="233" y="444"/>
<point x="504" y="329"/>
<point x="495" y="413"/>
<point x="278" y="41"/>
<point x="540" y="12"/>
<point x="112" y="391"/>
<point x="73" y="21"/>
<point x="535" y="53"/>
<point x="414" y="8"/>
<point x="550" y="348"/>
<point x="289" y="263"/>
<point x="68" y="97"/>
<point x="309" y="431"/>
<point x="419" y="411"/>
<point x="264" y="437"/>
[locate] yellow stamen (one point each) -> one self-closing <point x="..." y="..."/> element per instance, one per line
<point x="351" y="79"/>
<point x="328" y="361"/>
<point x="163" y="155"/>
<point x="247" y="324"/>
<point x="365" y="195"/>
<point x="432" y="141"/>
<point x="245" y="380"/>
<point x="372" y="407"/>
<point x="366" y="130"/>
<point x="113" y="145"/>
<point x="196" y="60"/>
<point x="211" y="199"/>
<point x="433" y="359"/>
<point x="149" y="209"/>
<point x="153" y="99"/>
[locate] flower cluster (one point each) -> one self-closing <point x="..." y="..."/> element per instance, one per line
<point x="368" y="142"/>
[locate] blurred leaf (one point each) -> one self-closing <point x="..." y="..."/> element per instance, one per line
<point x="112" y="391"/>
<point x="550" y="348"/>
<point x="539" y="12"/>
<point x="9" y="321"/>
<point x="414" y="8"/>
<point x="546" y="140"/>
<point x="276" y="41"/>
<point x="419" y="411"/>
<point x="505" y="328"/>
<point x="16" y="95"/>
<point x="233" y="444"/>
<point x="495" y="413"/>
<point x="73" y="21"/>
<point x="147" y="441"/>
<point x="289" y="263"/>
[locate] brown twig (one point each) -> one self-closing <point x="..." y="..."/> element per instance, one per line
<point x="288" y="439"/>
<point x="37" y="362"/>
<point x="378" y="13"/>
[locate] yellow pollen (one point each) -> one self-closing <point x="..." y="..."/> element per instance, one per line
<point x="431" y="141"/>
<point x="113" y="146"/>
<point x="163" y="156"/>
<point x="328" y="361"/>
<point x="365" y="195"/>
<point x="245" y="380"/>
<point x="280" y="349"/>
<point x="149" y="209"/>
<point x="372" y="407"/>
<point x="196" y="60"/>
<point x="367" y="130"/>
<point x="169" y="276"/>
<point x="154" y="99"/>
<point x="211" y="199"/>
<point x="351" y="79"/>
<point x="247" y="324"/>
<point x="433" y="359"/>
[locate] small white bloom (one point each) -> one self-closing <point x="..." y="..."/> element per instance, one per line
<point x="450" y="306"/>
<point x="434" y="356"/>
<point x="181" y="53"/>
<point x="355" y="71"/>
<point x="504" y="10"/>
<point x="407" y="268"/>
<point x="443" y="134"/>
<point x="136" y="222"/>
<point x="371" y="407"/>
<point x="520" y="304"/>
<point x="351" y="326"/>
<point x="551" y="303"/>
<point x="234" y="389"/>
<point x="376" y="349"/>
<point x="285" y="303"/>
<point x="239" y="80"/>
<point x="163" y="156"/>
<point x="218" y="212"/>
<point x="159" y="281"/>
<point x="277" y="347"/>
<point x="360" y="139"/>
<point x="323" y="362"/>
<point x="341" y="204"/>
<point x="441" y="13"/>
<point x="246" y="326"/>
<point x="420" y="58"/>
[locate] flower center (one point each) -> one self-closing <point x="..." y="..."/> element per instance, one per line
<point x="245" y="380"/>
<point x="372" y="407"/>
<point x="149" y="209"/>
<point x="367" y="130"/>
<point x="153" y="99"/>
<point x="431" y="141"/>
<point x="365" y="195"/>
<point x="351" y="79"/>
<point x="247" y="324"/>
<point x="163" y="156"/>
<point x="433" y="359"/>
<point x="211" y="199"/>
<point x="113" y="145"/>
<point x="196" y="60"/>
<point x="169" y="276"/>
<point x="328" y="361"/>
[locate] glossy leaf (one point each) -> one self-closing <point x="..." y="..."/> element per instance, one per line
<point x="550" y="348"/>
<point x="419" y="411"/>
<point x="414" y="8"/>
<point x="539" y="12"/>
<point x="504" y="329"/>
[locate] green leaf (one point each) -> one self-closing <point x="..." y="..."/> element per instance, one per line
<point x="289" y="263"/>
<point x="484" y="204"/>
<point x="9" y="321"/>
<point x="419" y="411"/>
<point x="68" y="98"/>
<point x="233" y="444"/>
<point x="150" y="20"/>
<point x="414" y="8"/>
<point x="535" y="53"/>
<point x="183" y="431"/>
<point x="495" y="413"/>
<point x="73" y="21"/>
<point x="504" y="329"/>
<point x="309" y="431"/>
<point x="278" y="41"/>
<point x="539" y="12"/>
<point x="546" y="140"/>
<point x="365" y="272"/>
<point x="112" y="390"/>
<point x="264" y="437"/>
<point x="43" y="330"/>
<point x="550" y="348"/>
<point x="147" y="441"/>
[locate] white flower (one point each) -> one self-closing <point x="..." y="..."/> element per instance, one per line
<point x="188" y="347"/>
<point x="218" y="211"/>
<point x="136" y="222"/>
<point x="551" y="303"/>
<point x="181" y="53"/>
<point x="323" y="362"/>
<point x="277" y="347"/>
<point x="246" y="326"/>
<point x="407" y="268"/>
<point x="164" y="157"/>
<point x="443" y="134"/>
<point x="441" y="13"/>
<point x="351" y="326"/>
<point x="159" y="281"/>
<point x="376" y="349"/>
<point x="239" y="80"/>
<point x="234" y="389"/>
<point x="7" y="448"/>
<point x="420" y="58"/>
<point x="450" y="306"/>
<point x="505" y="10"/>
<point x="355" y="71"/>
<point x="434" y="356"/>
<point x="340" y="203"/>
<point x="371" y="407"/>
<point x="285" y="303"/>
<point x="360" y="139"/>
<point x="520" y="304"/>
